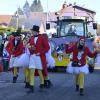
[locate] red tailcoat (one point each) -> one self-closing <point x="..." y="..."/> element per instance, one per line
<point x="41" y="46"/>
<point x="86" y="52"/>
<point x="16" y="52"/>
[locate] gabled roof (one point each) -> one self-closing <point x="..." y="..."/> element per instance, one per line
<point x="5" y="18"/>
<point x="85" y="9"/>
<point x="5" y="24"/>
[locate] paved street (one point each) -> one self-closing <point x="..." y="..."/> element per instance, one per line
<point x="63" y="88"/>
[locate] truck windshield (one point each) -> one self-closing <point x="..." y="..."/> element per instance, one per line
<point x="72" y="28"/>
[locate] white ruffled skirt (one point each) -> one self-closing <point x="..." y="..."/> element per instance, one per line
<point x="97" y="61"/>
<point x="35" y="62"/>
<point x="77" y="70"/>
<point x="20" y="61"/>
<point x="50" y="60"/>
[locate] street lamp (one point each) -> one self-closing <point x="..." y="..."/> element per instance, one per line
<point x="47" y="23"/>
<point x="17" y="20"/>
<point x="47" y="10"/>
<point x="58" y="24"/>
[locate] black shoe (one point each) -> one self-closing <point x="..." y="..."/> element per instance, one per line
<point x="77" y="87"/>
<point x="15" y="79"/>
<point x="47" y="83"/>
<point x="41" y="86"/>
<point x="25" y="80"/>
<point x="81" y="91"/>
<point x="27" y="85"/>
<point x="31" y="90"/>
<point x="91" y="69"/>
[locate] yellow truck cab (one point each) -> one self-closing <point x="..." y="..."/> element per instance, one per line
<point x="70" y="30"/>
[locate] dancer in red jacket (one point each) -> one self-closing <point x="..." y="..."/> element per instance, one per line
<point x="78" y="64"/>
<point x="15" y="49"/>
<point x="38" y="47"/>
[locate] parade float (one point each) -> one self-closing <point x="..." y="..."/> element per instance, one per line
<point x="70" y="27"/>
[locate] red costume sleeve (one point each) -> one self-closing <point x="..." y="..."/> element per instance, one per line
<point x="90" y="54"/>
<point x="69" y="49"/>
<point x="45" y="45"/>
<point x="31" y="42"/>
<point x="19" y="50"/>
<point x="9" y="47"/>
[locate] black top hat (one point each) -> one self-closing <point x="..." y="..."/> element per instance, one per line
<point x="15" y="34"/>
<point x="35" y="28"/>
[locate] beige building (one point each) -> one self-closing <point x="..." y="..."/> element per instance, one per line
<point x="78" y="11"/>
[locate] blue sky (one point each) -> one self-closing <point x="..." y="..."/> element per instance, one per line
<point x="10" y="6"/>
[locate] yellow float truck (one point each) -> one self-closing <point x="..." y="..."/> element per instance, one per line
<point x="70" y="30"/>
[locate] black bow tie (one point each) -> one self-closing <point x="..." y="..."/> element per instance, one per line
<point x="36" y="35"/>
